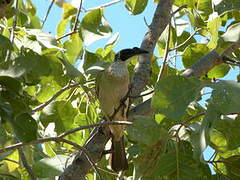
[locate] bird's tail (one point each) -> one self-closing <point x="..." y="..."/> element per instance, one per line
<point x="118" y="160"/>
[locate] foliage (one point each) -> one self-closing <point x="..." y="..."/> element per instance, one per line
<point x="47" y="88"/>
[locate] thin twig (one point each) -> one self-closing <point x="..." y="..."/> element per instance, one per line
<point x="182" y="44"/>
<point x="103" y="5"/>
<point x="141" y="95"/>
<point x="66" y="35"/>
<point x="108" y="172"/>
<point x="40" y="107"/>
<point x="86" y="154"/>
<point x="47" y="13"/>
<point x="11" y="160"/>
<point x="196" y="116"/>
<point x="233" y="62"/>
<point x="166" y="54"/>
<point x="78" y="13"/>
<point x="25" y="164"/>
<point x="104" y="123"/>
<point x="14" y="22"/>
<point x="145" y="21"/>
<point x="58" y="138"/>
<point x="179" y="9"/>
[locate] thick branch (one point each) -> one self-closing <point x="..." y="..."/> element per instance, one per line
<point x="209" y="61"/>
<point x="143" y="68"/>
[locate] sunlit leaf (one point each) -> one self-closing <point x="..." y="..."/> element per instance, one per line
<point x="94" y="26"/>
<point x="61" y="113"/>
<point x="68" y="10"/>
<point x="46" y="39"/>
<point x="136" y="6"/>
<point x="61" y="28"/>
<point x="213" y="26"/>
<point x="73" y="48"/>
<point x="218" y="71"/>
<point x="232" y="34"/>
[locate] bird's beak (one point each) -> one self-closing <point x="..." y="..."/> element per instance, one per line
<point x="138" y="51"/>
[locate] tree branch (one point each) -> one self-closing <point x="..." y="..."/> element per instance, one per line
<point x="40" y="107"/>
<point x="61" y="136"/>
<point x="103" y="5"/>
<point x="160" y="20"/>
<point x="78" y="13"/>
<point x="160" y="74"/>
<point x="25" y="164"/>
<point x="47" y="13"/>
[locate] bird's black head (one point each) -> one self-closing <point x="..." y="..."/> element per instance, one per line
<point x="125" y="54"/>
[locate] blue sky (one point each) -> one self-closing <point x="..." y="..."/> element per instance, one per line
<point x="131" y="28"/>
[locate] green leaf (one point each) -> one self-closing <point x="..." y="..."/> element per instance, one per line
<point x="213" y="27"/>
<point x="61" y="28"/>
<point x="178" y="162"/>
<point x="232" y="34"/>
<point x="6" y="112"/>
<point x="225" y="98"/>
<point x="144" y="130"/>
<point x="25" y="127"/>
<point x="136" y="6"/>
<point x="192" y="53"/>
<point x="5" y="43"/>
<point x="181" y="39"/>
<point x="205" y="7"/>
<point x="68" y="10"/>
<point x="195" y="18"/>
<point x="163" y="40"/>
<point x="191" y="3"/>
<point x="11" y="84"/>
<point x="225" y="5"/>
<point x="89" y="59"/>
<point x="94" y="27"/>
<point x="29" y="63"/>
<point x="228" y="138"/>
<point x="72" y="72"/>
<point x="45" y="39"/>
<point x="233" y="166"/>
<point x="22" y="19"/>
<point x="73" y="48"/>
<point x="218" y="71"/>
<point x="61" y="113"/>
<point x="50" y="167"/>
<point x="173" y="95"/>
<point x="47" y="87"/>
<point x="29" y="43"/>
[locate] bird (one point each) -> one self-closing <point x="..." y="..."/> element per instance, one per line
<point x="112" y="86"/>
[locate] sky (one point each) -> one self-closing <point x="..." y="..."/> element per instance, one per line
<point x="131" y="28"/>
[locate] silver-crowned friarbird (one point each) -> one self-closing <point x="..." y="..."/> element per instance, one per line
<point x="112" y="86"/>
